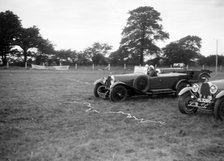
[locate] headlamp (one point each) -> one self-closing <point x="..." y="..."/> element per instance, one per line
<point x="195" y="87"/>
<point x="213" y="89"/>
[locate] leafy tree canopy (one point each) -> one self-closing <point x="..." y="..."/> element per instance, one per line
<point x="183" y="51"/>
<point x="97" y="52"/>
<point x="9" y="26"/>
<point x="30" y="38"/>
<point x="191" y="43"/>
<point x="142" y="31"/>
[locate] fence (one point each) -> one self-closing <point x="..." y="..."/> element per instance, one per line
<point x="125" y="67"/>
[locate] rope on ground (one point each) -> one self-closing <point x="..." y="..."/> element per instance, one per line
<point x="128" y="115"/>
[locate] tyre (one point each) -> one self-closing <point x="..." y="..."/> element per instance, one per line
<point x="118" y="93"/>
<point x="183" y="101"/>
<point x="219" y="109"/>
<point x="180" y="87"/>
<point x="141" y="83"/>
<point x="96" y="88"/>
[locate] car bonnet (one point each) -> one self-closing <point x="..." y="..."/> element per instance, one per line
<point x="218" y="83"/>
<point x="126" y="77"/>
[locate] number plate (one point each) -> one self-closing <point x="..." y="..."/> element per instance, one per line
<point x="204" y="100"/>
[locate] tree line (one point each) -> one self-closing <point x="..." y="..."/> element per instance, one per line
<point x="140" y="35"/>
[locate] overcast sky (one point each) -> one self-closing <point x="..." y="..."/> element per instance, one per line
<point x="77" y="24"/>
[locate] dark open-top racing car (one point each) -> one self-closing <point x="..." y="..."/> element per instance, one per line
<point x="169" y="81"/>
<point x="206" y="96"/>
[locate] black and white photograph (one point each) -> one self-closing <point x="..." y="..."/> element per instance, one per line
<point x="111" y="80"/>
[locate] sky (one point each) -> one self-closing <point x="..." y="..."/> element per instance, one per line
<point x="77" y="24"/>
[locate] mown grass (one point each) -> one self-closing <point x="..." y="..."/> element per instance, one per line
<point x="49" y="115"/>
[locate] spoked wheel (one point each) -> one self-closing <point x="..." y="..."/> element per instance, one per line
<point x="118" y="93"/>
<point x="219" y="109"/>
<point x="141" y="83"/>
<point x="183" y="104"/>
<point x="96" y="89"/>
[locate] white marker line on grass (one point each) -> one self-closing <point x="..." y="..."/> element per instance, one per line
<point x="128" y="115"/>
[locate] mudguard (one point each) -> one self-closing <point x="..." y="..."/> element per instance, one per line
<point x="98" y="81"/>
<point x="219" y="95"/>
<point x="184" y="90"/>
<point x="180" y="81"/>
<point x="118" y="83"/>
<point x="124" y="84"/>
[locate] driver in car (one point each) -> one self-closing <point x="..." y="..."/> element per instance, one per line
<point x="151" y="71"/>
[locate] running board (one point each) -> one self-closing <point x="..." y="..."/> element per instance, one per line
<point x="161" y="91"/>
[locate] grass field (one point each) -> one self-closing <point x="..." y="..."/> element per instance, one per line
<point x="53" y="116"/>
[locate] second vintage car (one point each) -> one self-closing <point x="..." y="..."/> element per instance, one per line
<point x="119" y="87"/>
<point x="207" y="96"/>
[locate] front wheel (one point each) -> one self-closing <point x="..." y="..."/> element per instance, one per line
<point x="219" y="109"/>
<point x="118" y="93"/>
<point x="183" y="104"/>
<point x="96" y="89"/>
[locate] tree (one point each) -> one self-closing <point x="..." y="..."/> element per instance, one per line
<point x="30" y="38"/>
<point x="142" y="31"/>
<point x="83" y="59"/>
<point x="98" y="52"/>
<point x="191" y="43"/>
<point x="182" y="51"/>
<point x="9" y="27"/>
<point x="45" y="46"/>
<point x="211" y="60"/>
<point x="117" y="57"/>
<point x="68" y="56"/>
<point x="123" y="56"/>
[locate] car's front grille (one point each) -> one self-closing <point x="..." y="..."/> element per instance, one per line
<point x="205" y="90"/>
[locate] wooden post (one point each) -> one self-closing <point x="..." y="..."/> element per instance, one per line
<point x="76" y="66"/>
<point x="109" y="67"/>
<point x="125" y="66"/>
<point x="216" y="60"/>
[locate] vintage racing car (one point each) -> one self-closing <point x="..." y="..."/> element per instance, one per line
<point x="207" y="96"/>
<point x="119" y="87"/>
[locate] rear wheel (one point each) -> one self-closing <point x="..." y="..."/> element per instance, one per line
<point x="118" y="93"/>
<point x="183" y="104"/>
<point x="96" y="89"/>
<point x="219" y="109"/>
